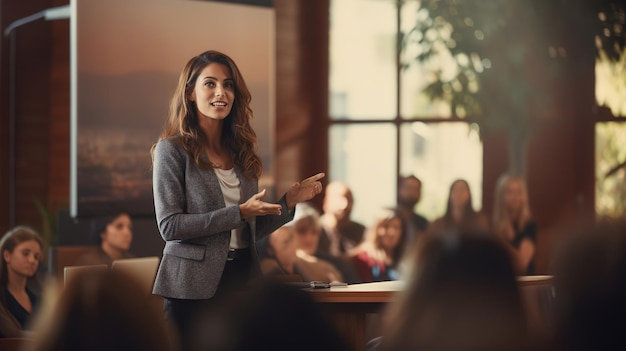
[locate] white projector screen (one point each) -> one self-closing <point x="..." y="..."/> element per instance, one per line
<point x="126" y="56"/>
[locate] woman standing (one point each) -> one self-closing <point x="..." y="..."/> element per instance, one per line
<point x="513" y="222"/>
<point x="208" y="207"/>
<point x="21" y="254"/>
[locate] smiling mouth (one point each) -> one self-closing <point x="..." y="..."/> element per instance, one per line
<point x="219" y="104"/>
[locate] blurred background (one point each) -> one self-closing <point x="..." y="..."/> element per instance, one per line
<point x="369" y="90"/>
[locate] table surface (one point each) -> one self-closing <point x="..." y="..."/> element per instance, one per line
<point x="382" y="292"/>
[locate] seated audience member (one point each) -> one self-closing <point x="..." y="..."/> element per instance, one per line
<point x="409" y="194"/>
<point x="378" y="257"/>
<point x="113" y="235"/>
<point x="101" y="311"/>
<point x="461" y="294"/>
<point x="269" y="316"/>
<point x="513" y="222"/>
<point x="307" y="228"/>
<point x="278" y="253"/>
<point x="340" y="233"/>
<point x="589" y="271"/>
<point x="279" y="259"/>
<point x="21" y="250"/>
<point x="460" y="216"/>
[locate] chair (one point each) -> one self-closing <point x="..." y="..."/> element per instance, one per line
<point x="144" y="269"/>
<point x="69" y="272"/>
<point x="63" y="256"/>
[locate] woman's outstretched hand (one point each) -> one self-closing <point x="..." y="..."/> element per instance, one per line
<point x="304" y="190"/>
<point x="256" y="207"/>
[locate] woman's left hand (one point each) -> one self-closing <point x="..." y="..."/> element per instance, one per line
<point x="304" y="190"/>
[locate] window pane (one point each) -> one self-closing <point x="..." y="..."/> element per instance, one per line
<point x="438" y="154"/>
<point x="416" y="76"/>
<point x="610" y="169"/>
<point x="364" y="157"/>
<point x="362" y="59"/>
<point x="611" y="84"/>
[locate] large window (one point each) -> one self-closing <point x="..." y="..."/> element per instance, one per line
<point x="382" y="124"/>
<point x="611" y="138"/>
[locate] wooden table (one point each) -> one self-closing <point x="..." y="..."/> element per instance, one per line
<point x="349" y="306"/>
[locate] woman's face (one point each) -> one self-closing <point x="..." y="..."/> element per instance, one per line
<point x="284" y="246"/>
<point x="459" y="194"/>
<point x="307" y="235"/>
<point x="514" y="196"/>
<point x="214" y="92"/>
<point x="24" y="259"/>
<point x="119" y="233"/>
<point x="389" y="233"/>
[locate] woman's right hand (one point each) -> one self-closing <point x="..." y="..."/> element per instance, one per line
<point x="256" y="207"/>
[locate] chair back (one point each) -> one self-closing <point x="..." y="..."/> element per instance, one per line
<point x="144" y="269"/>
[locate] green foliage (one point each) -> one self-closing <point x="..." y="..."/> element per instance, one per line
<point x="611" y="169"/>
<point x="508" y="54"/>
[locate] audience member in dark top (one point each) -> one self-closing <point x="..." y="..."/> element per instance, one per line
<point x="460" y="216"/>
<point x="590" y="288"/>
<point x="378" y="257"/>
<point x="101" y="311"/>
<point x="113" y="236"/>
<point x="513" y="222"/>
<point x="270" y="316"/>
<point x="461" y="294"/>
<point x="340" y="233"/>
<point x="409" y="194"/>
<point x="21" y="253"/>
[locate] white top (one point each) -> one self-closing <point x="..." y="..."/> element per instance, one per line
<point x="229" y="183"/>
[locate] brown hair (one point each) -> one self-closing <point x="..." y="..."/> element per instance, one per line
<point x="9" y="242"/>
<point x="101" y="310"/>
<point x="237" y="133"/>
<point x="371" y="241"/>
<point x="461" y="294"/>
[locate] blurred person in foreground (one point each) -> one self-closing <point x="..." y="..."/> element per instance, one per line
<point x="461" y="294"/>
<point x="589" y="271"/>
<point x="101" y="310"/>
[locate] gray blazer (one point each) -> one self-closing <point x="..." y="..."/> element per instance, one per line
<point x="195" y="223"/>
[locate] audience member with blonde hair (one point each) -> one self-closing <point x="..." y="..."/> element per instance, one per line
<point x="513" y="222"/>
<point x="21" y="253"/>
<point x="378" y="257"/>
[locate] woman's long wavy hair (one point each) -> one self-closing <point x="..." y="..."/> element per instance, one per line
<point x="237" y="133"/>
<point x="501" y="217"/>
<point x="9" y="242"/>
